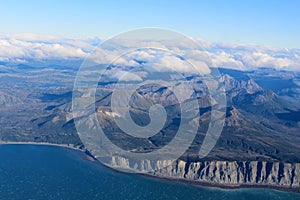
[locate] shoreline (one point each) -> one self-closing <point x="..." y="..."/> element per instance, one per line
<point x="178" y="180"/>
<point x="211" y="185"/>
<point x="88" y="155"/>
<point x="224" y="186"/>
<point x="46" y="144"/>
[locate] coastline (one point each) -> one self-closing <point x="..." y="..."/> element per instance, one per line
<point x="46" y="144"/>
<point x="90" y="157"/>
<point x="212" y="185"/>
<point x="224" y="186"/>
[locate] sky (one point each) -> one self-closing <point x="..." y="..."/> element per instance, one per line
<point x="273" y="23"/>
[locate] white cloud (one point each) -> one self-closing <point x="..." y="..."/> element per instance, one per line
<point x="29" y="46"/>
<point x="22" y="47"/>
<point x="260" y="59"/>
<point x="164" y="61"/>
<point x="126" y="76"/>
<point x="249" y="57"/>
<point x="226" y="60"/>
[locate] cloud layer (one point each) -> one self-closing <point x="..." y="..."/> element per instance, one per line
<point x="25" y="47"/>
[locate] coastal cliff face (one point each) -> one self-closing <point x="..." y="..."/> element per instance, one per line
<point x="223" y="173"/>
<point x="236" y="173"/>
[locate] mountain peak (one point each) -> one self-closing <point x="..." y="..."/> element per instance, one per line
<point x="233" y="85"/>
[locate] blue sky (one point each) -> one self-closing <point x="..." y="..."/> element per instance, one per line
<point x="260" y="22"/>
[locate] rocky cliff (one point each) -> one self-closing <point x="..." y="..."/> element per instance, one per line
<point x="222" y="173"/>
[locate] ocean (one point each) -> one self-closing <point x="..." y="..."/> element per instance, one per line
<point x="50" y="172"/>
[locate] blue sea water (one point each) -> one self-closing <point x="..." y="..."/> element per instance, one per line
<point x="49" y="172"/>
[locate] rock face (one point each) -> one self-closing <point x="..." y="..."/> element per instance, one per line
<point x="234" y="85"/>
<point x="236" y="173"/>
<point x="223" y="173"/>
